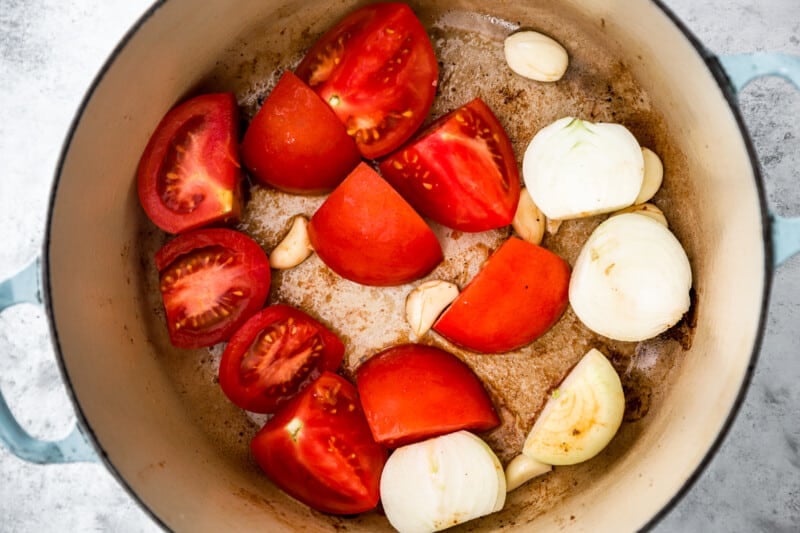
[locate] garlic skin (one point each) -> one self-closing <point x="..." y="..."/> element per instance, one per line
<point x="535" y="56"/>
<point x="575" y="168"/>
<point x="581" y="416"/>
<point x="631" y="280"/>
<point x="440" y="482"/>
<point x="653" y="176"/>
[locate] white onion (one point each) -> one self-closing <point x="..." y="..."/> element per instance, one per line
<point x="631" y="280"/>
<point x="522" y="469"/>
<point x="440" y="482"/>
<point x="574" y="168"/>
<point x="582" y="415"/>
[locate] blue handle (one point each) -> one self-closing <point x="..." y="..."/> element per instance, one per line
<point x="741" y="70"/>
<point x="24" y="288"/>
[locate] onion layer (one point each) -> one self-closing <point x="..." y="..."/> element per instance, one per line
<point x="631" y="280"/>
<point x="440" y="482"/>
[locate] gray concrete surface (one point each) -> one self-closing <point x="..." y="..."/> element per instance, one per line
<point x="49" y="53"/>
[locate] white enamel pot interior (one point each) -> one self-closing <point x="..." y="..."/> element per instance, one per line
<point x="186" y="473"/>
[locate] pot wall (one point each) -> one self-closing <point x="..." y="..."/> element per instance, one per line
<point x="96" y="273"/>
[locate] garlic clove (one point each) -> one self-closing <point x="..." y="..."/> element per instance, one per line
<point x="425" y="303"/>
<point x="522" y="469"/>
<point x="294" y="248"/>
<point x="552" y="225"/>
<point x="529" y="221"/>
<point x="648" y="210"/>
<point x="535" y="56"/>
<point x="631" y="280"/>
<point x="575" y="168"/>
<point x="653" y="176"/>
<point x="581" y="416"/>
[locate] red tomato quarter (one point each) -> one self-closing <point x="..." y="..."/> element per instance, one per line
<point x="517" y="296"/>
<point x="274" y="355"/>
<point x="367" y="233"/>
<point x="296" y="143"/>
<point x="377" y="70"/>
<point x="189" y="174"/>
<point x="212" y="280"/>
<point x="413" y="392"/>
<point x="461" y="172"/>
<point x="318" y="449"/>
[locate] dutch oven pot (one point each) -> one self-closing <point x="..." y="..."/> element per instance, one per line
<point x="137" y="421"/>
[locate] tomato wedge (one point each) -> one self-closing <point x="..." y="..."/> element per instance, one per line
<point x="189" y="175"/>
<point x="377" y="70"/>
<point x="318" y="449"/>
<point x="211" y="281"/>
<point x="367" y="233"/>
<point x="295" y="143"/>
<point x="412" y="392"/>
<point x="274" y="355"/>
<point x="461" y="172"/>
<point x="518" y="295"/>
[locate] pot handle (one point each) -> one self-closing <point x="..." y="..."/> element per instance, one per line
<point x="742" y="69"/>
<point x="24" y="288"/>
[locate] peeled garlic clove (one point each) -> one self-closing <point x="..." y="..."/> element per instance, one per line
<point x="535" y="56"/>
<point x="552" y="225"/>
<point x="648" y="210"/>
<point x="294" y="248"/>
<point x="440" y="482"/>
<point x="529" y="221"/>
<point x="574" y="168"/>
<point x="653" y="176"/>
<point x="631" y="280"/>
<point x="426" y="302"/>
<point x="523" y="468"/>
<point x="582" y="415"/>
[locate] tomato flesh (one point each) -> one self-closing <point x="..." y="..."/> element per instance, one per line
<point x="188" y="175"/>
<point x="295" y="143"/>
<point x="461" y="172"/>
<point x="274" y="355"/>
<point x="318" y="449"/>
<point x="211" y="281"/>
<point x="414" y="392"/>
<point x="367" y="233"/>
<point x="377" y="70"/>
<point x="518" y="295"/>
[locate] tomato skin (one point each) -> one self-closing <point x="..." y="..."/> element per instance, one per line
<point x="300" y="342"/>
<point x="188" y="175"/>
<point x="227" y="280"/>
<point x="518" y="295"/>
<point x="319" y="450"/>
<point x="377" y="70"/>
<point x="413" y="392"/>
<point x="461" y="172"/>
<point x="367" y="233"/>
<point x="295" y="143"/>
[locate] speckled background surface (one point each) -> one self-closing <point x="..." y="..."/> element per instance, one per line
<point x="50" y="51"/>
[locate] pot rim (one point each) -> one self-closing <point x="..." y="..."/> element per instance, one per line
<point x="729" y="93"/>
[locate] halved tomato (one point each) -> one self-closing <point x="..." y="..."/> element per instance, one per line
<point x="412" y="392"/>
<point x="367" y="233"/>
<point x="377" y="70"/>
<point x="295" y="143"/>
<point x="212" y="280"/>
<point x="274" y="355"/>
<point x="189" y="175"/>
<point x="518" y="295"/>
<point x="318" y="449"/>
<point x="461" y="172"/>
